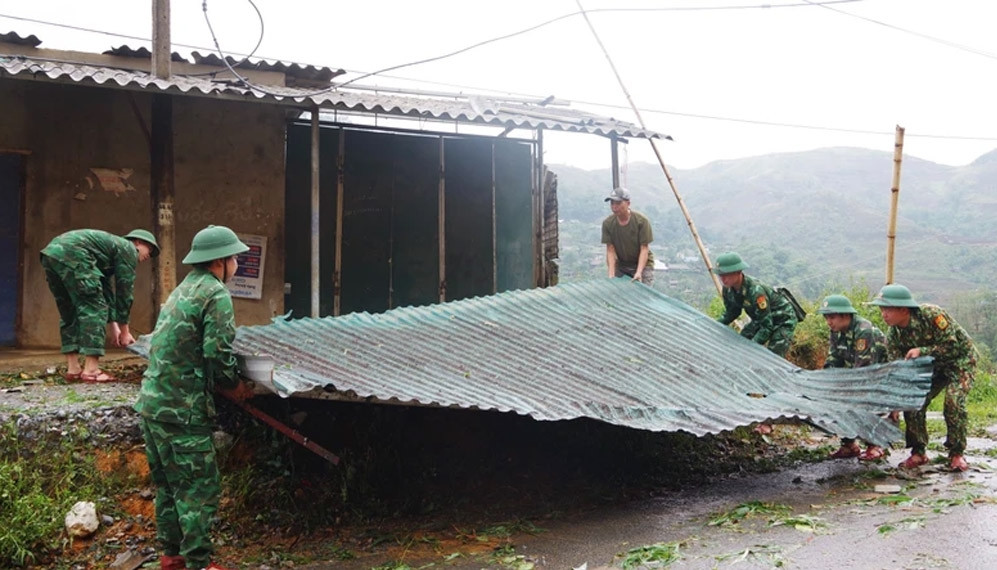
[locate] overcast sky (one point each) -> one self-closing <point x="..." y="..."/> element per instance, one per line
<point x="928" y="65"/>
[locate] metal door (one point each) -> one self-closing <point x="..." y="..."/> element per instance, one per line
<point x="10" y="245"/>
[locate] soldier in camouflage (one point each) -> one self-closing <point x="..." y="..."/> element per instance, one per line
<point x="190" y="356"/>
<point x="855" y="342"/>
<point x="927" y="330"/>
<point x="79" y="267"/>
<point x="773" y="320"/>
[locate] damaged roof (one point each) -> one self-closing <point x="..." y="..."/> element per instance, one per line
<point x="605" y="349"/>
<point x="38" y="66"/>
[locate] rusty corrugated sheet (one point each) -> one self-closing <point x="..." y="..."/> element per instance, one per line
<point x="605" y="349"/>
<point x="469" y="110"/>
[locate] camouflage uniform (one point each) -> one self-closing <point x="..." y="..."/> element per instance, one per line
<point x="79" y="265"/>
<point x="861" y="345"/>
<point x="773" y="320"/>
<point x="190" y="354"/>
<point x="933" y="331"/>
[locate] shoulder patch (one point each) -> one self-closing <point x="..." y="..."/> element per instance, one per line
<point x="861" y="344"/>
<point x="762" y="302"/>
<point x="941" y="322"/>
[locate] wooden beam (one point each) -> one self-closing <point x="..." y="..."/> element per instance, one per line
<point x="162" y="198"/>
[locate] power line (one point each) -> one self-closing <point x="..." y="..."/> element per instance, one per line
<point x="805" y="3"/>
<point x="941" y="41"/>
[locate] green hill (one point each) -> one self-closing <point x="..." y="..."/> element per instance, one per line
<point x="815" y="221"/>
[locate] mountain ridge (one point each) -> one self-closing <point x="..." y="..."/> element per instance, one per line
<point x="819" y="210"/>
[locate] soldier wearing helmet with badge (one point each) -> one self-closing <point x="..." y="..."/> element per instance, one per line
<point x="855" y="342"/>
<point x="190" y="356"/>
<point x="927" y="330"/>
<point x="773" y="319"/>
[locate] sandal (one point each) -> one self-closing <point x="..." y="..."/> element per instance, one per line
<point x="958" y="463"/>
<point x="872" y="453"/>
<point x="72" y="376"/>
<point x="763" y="429"/>
<point x="846" y="451"/>
<point x="915" y="460"/>
<point x="98" y="377"/>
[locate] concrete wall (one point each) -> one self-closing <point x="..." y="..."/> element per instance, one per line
<point x="229" y="170"/>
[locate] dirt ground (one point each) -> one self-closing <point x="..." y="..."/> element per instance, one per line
<point x="837" y="517"/>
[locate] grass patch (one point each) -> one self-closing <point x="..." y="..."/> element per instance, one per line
<point x="656" y="555"/>
<point x="40" y="480"/>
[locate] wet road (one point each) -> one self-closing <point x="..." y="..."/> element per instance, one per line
<point x="951" y="522"/>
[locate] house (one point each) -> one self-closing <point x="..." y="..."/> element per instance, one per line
<point x="398" y="205"/>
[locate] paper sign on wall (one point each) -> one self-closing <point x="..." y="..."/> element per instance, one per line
<point x="247" y="283"/>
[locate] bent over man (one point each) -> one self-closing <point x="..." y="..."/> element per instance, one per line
<point x="773" y="320"/>
<point x="855" y="342"/>
<point x="927" y="330"/>
<point x="79" y="266"/>
<point x="190" y="356"/>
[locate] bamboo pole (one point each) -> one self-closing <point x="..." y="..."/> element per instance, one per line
<point x="657" y="153"/>
<point x="891" y="231"/>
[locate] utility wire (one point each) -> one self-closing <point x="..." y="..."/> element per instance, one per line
<point x="941" y="41"/>
<point x="805" y="3"/>
<point x="245" y="59"/>
<point x="592" y="103"/>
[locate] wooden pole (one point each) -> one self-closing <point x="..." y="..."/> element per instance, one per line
<point x="441" y="223"/>
<point x="657" y="153"/>
<point x="315" y="217"/>
<point x="614" y="158"/>
<point x="891" y="231"/>
<point x="161" y="47"/>
<point x="161" y="194"/>
<point x="337" y="277"/>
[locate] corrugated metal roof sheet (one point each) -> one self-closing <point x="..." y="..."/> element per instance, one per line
<point x="309" y="72"/>
<point x="470" y="110"/>
<point x="15" y="38"/>
<point x="605" y="349"/>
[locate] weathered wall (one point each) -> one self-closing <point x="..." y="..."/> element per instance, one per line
<point x="229" y="168"/>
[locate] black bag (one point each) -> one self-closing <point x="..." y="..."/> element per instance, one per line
<point x="800" y="313"/>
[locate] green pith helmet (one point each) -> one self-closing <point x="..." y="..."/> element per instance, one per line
<point x="147" y="237"/>
<point x="894" y="296"/>
<point x="836" y="305"/>
<point x="214" y="242"/>
<point x="729" y="263"/>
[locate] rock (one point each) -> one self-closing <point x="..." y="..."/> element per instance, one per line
<point x="887" y="489"/>
<point x="130" y="560"/>
<point x="221" y="439"/>
<point x="106" y="520"/>
<point x="81" y="520"/>
<point x="147" y="494"/>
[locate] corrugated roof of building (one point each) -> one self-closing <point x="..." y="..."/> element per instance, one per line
<point x="478" y="110"/>
<point x="15" y="38"/>
<point x="605" y="349"/>
<point x="310" y="72"/>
